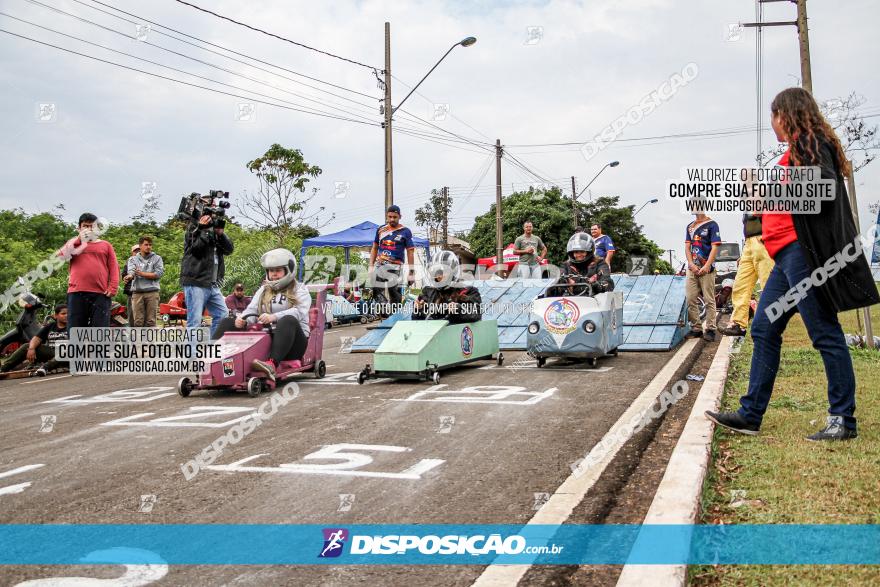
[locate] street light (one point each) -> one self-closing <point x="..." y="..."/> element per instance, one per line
<point x="389" y="111"/>
<point x="651" y="201"/>
<point x="574" y="199"/>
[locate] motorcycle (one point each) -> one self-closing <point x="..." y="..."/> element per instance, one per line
<point x="26" y="326"/>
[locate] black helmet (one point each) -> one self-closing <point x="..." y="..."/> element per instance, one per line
<point x="580" y="242"/>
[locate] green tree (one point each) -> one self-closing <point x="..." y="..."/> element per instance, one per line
<point x="434" y="212"/>
<point x="550" y="213"/>
<point x="280" y="204"/>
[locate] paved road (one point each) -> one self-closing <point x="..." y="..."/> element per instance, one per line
<point x="495" y="456"/>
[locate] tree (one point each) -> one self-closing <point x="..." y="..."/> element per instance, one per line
<point x="280" y="204"/>
<point x="434" y="212"/>
<point x="550" y="213"/>
<point x="860" y="142"/>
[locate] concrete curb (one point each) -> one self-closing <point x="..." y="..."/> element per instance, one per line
<point x="677" y="500"/>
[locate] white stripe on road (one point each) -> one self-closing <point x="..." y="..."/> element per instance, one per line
<point x="41" y="379"/>
<point x="14" y="488"/>
<point x="23" y="469"/>
<point x="573" y="490"/>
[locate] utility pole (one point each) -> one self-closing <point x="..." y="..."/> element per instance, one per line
<point x="574" y="210"/>
<point x="445" y="242"/>
<point x="803" y="38"/>
<point x="499" y="245"/>
<point x="389" y="167"/>
<point x="851" y="188"/>
<point x="670" y="251"/>
<point x="804" y="42"/>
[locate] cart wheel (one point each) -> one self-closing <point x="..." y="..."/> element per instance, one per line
<point x="320" y="369"/>
<point x="364" y="319"/>
<point x="436" y="377"/>
<point x="166" y="318"/>
<point x="362" y="376"/>
<point x="328" y="325"/>
<point x="541" y="362"/>
<point x="593" y="362"/>
<point x="615" y="352"/>
<point x="184" y="386"/>
<point x="500" y="359"/>
<point x="254" y="386"/>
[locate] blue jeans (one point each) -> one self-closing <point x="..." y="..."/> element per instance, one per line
<point x="824" y="331"/>
<point x="199" y="298"/>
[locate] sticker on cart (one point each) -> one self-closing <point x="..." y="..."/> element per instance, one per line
<point x="467" y="341"/>
<point x="229" y="367"/>
<point x="350" y="462"/>
<point x="561" y="316"/>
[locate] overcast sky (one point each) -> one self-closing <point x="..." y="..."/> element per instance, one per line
<point x="113" y="129"/>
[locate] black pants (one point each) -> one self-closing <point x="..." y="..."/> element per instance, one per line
<point x="288" y="340"/>
<point x="387" y="290"/>
<point x="86" y="308"/>
<point x="44" y="353"/>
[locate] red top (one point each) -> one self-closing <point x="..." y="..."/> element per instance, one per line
<point x="777" y="229"/>
<point x="92" y="269"/>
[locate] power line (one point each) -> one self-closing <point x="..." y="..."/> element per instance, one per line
<point x="151" y="22"/>
<point x="252" y="99"/>
<point x="279" y="37"/>
<point x="362" y="117"/>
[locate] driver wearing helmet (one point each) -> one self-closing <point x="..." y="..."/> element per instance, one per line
<point x="448" y="299"/>
<point x="281" y="301"/>
<point x="583" y="265"/>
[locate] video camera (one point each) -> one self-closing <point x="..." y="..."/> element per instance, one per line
<point x="194" y="206"/>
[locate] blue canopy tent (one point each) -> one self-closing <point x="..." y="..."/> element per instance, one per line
<point x="358" y="236"/>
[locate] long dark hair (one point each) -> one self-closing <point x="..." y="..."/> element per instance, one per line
<point x="805" y="127"/>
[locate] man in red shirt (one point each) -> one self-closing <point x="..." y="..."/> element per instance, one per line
<point x="94" y="275"/>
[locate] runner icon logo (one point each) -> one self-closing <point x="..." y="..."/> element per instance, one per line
<point x="334" y="540"/>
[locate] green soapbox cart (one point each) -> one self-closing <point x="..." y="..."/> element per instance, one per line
<point x="420" y="349"/>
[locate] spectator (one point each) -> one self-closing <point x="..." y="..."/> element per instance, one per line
<point x="604" y="245"/>
<point x="94" y="275"/>
<point x="801" y="244"/>
<point x="237" y="302"/>
<point x="701" y="240"/>
<point x="202" y="269"/>
<point x="41" y="347"/>
<point x="145" y="270"/>
<point x="126" y="288"/>
<point x="526" y="246"/>
<point x="387" y="257"/>
<point x="754" y="265"/>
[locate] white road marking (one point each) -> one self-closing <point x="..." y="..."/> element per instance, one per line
<point x="481" y="394"/>
<point x="133" y="395"/>
<point x="550" y="367"/>
<point x="41" y="379"/>
<point x="134" y="576"/>
<point x="343" y="452"/>
<point x="19" y="487"/>
<point x="180" y="420"/>
<point x="572" y="491"/>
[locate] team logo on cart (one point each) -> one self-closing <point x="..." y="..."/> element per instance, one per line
<point x="561" y="316"/>
<point x="467" y="341"/>
<point x="229" y="367"/>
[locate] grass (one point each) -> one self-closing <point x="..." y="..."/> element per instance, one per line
<point x="780" y="478"/>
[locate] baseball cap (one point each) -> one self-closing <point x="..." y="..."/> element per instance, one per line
<point x="393" y="208"/>
<point x="135" y="248"/>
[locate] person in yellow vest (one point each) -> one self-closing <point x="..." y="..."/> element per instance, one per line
<point x="755" y="265"/>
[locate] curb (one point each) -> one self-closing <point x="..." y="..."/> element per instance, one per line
<point x="677" y="500"/>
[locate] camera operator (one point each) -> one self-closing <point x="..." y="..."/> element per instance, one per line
<point x="202" y="268"/>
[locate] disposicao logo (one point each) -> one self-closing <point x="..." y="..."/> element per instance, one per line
<point x="334" y="541"/>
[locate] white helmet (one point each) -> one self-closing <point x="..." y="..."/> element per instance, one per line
<point x="580" y="242"/>
<point x="279" y="258"/>
<point x="447" y="265"/>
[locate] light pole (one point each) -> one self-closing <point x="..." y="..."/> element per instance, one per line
<point x="651" y="201"/>
<point x="389" y="111"/>
<point x="574" y="198"/>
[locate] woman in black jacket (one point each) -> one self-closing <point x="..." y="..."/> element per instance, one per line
<point x="820" y="271"/>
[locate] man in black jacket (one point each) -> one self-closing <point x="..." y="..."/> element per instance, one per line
<point x="201" y="271"/>
<point x="448" y="299"/>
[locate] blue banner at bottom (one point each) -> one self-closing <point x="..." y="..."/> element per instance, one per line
<point x="420" y="544"/>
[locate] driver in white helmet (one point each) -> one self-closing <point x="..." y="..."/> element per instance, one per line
<point x="584" y="266"/>
<point x="281" y="301"/>
<point x="447" y="298"/>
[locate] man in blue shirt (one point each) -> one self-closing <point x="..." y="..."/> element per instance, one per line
<point x="393" y="241"/>
<point x="701" y="240"/>
<point x="604" y="245"/>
